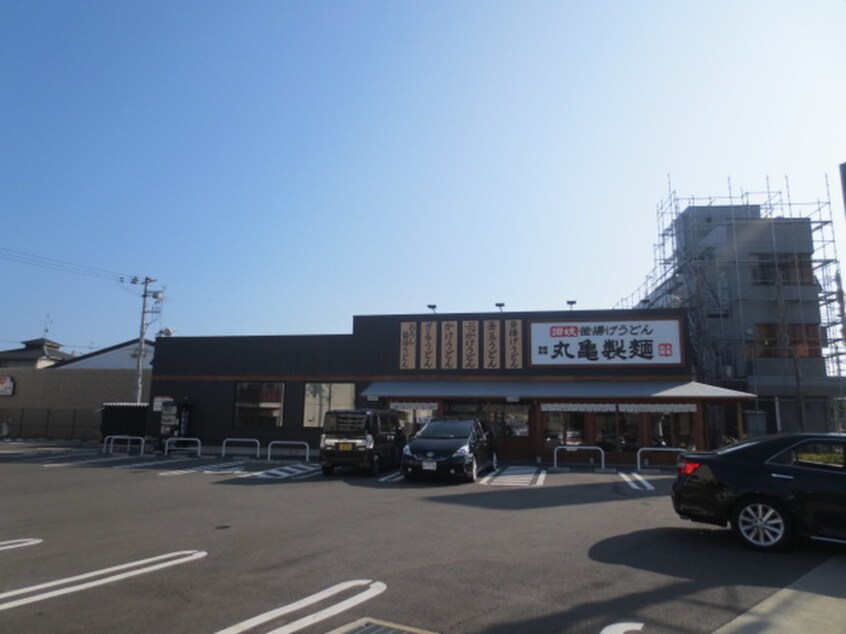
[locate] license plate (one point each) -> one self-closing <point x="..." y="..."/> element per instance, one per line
<point x="345" y="446"/>
<point x="430" y="465"/>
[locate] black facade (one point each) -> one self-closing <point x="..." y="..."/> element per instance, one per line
<point x="445" y="362"/>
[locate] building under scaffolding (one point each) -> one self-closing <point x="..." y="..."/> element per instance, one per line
<point x="759" y="277"/>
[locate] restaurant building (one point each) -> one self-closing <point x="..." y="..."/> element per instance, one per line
<point x="619" y="380"/>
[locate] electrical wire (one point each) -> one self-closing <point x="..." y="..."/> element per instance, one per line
<point x="29" y="259"/>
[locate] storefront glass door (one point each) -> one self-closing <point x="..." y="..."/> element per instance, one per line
<point x="510" y="423"/>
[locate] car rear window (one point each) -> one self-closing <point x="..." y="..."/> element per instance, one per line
<point x="737" y="446"/>
<point x="345" y="422"/>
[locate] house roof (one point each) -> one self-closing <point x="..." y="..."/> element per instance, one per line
<point x="34" y="350"/>
<point x="102" y="351"/>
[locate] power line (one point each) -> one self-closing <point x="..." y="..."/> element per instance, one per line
<point x="30" y="259"/>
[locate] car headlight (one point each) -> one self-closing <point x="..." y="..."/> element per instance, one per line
<point x="462" y="452"/>
<point x="406" y="451"/>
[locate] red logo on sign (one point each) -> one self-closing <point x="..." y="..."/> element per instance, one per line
<point x="564" y="331"/>
<point x="665" y="350"/>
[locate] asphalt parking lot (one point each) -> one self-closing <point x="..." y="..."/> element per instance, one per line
<point x="93" y="542"/>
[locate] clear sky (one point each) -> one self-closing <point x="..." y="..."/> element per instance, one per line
<point x="280" y="166"/>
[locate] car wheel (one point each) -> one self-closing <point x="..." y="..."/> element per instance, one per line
<point x="473" y="470"/>
<point x="327" y="471"/>
<point x="761" y="524"/>
<point x="375" y="465"/>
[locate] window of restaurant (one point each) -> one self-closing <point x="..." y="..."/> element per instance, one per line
<point x="506" y="420"/>
<point x="511" y="421"/>
<point x="259" y="404"/>
<point x="630" y="431"/>
<point x="414" y="415"/>
<point x="673" y="430"/>
<point x="563" y="428"/>
<point x="322" y="397"/>
<point x="607" y="431"/>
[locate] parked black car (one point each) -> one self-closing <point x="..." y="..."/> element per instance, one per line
<point x="770" y="489"/>
<point x="450" y="447"/>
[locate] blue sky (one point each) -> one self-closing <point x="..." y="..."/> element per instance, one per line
<point x="280" y="166"/>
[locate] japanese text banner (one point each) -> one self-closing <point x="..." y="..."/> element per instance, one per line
<point x="594" y="343"/>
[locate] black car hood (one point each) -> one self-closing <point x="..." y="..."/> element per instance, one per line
<point x="438" y="446"/>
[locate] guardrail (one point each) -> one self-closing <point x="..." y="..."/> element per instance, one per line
<point x="289" y="443"/>
<point x="665" y="449"/>
<point x="190" y="441"/>
<point x="109" y="442"/>
<point x="570" y="448"/>
<point x="252" y="441"/>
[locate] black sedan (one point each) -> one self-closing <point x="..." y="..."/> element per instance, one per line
<point x="450" y="447"/>
<point x="770" y="489"/>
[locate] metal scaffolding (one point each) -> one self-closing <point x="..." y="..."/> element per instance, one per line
<point x="710" y="283"/>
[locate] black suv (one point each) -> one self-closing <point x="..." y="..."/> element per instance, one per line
<point x="450" y="447"/>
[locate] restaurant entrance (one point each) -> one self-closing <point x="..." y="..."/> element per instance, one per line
<point x="510" y="422"/>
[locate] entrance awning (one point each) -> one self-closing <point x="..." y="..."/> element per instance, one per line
<point x="582" y="390"/>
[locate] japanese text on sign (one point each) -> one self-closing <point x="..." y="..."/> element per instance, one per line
<point x="656" y="342"/>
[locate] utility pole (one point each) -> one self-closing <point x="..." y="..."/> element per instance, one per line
<point x="142" y="338"/>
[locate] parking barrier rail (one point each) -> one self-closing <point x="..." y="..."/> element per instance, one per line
<point x="252" y="441"/>
<point x="109" y="442"/>
<point x="665" y="449"/>
<point x="289" y="443"/>
<point x="578" y="448"/>
<point x="190" y="441"/>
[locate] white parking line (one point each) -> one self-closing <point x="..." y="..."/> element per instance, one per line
<point x="170" y="559"/>
<point x="391" y="477"/>
<point x="622" y="628"/>
<point x="153" y="462"/>
<point x="515" y="477"/>
<point x="287" y="471"/>
<point x="80" y="462"/>
<point x="19" y="543"/>
<point x="51" y="455"/>
<point x="375" y="588"/>
<point x="645" y="483"/>
<point x="212" y="468"/>
<point x="224" y="469"/>
<point x="636" y="481"/>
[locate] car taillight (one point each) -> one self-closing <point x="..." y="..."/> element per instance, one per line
<point x="687" y="467"/>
